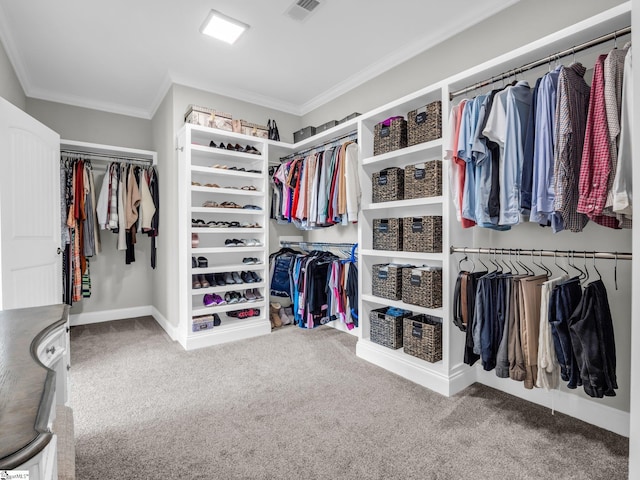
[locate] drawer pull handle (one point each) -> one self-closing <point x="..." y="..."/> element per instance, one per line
<point x="68" y="367"/>
<point x="51" y="350"/>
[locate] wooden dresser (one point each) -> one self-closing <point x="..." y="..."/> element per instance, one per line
<point x="34" y="363"/>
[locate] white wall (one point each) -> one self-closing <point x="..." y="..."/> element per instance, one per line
<point x="10" y="88"/>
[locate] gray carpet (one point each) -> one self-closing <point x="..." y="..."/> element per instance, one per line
<point x="300" y="405"/>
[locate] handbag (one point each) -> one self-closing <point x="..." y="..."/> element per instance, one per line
<point x="273" y="130"/>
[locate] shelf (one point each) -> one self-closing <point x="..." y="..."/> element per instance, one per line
<point x="405" y="156"/>
<point x="227" y="268"/>
<point x="282" y="149"/>
<point x="201" y="133"/>
<point x="436" y="312"/>
<point x="225" y="172"/>
<point x="400" y="254"/>
<point x="227" y="230"/>
<point x="232" y="154"/>
<point x="228" y="307"/>
<point x="197" y="251"/>
<point x="227" y="191"/>
<point x="228" y="288"/>
<point x="414" y="202"/>
<point x="238" y="211"/>
<point x="230" y="330"/>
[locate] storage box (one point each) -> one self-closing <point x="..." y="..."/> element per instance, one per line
<point x="386" y="280"/>
<point x="252" y="129"/>
<point x="423" y="180"/>
<point x="385" y="329"/>
<point x="389" y="135"/>
<point x="387" y="185"/>
<point x="306" y="132"/>
<point x="202" y="323"/>
<point x="422" y="337"/>
<point x="207" y="117"/>
<point x="351" y="116"/>
<point x="425" y="124"/>
<point x="422" y="286"/>
<point x="422" y="234"/>
<point x="326" y="126"/>
<point x="387" y="234"/>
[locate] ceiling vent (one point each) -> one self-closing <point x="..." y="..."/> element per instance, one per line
<point x="302" y="9"/>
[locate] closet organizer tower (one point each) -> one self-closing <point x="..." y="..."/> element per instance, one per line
<point x="451" y="375"/>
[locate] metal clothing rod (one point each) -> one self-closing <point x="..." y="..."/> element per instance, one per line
<point x="328" y="142"/>
<point x="285" y="243"/>
<point x="103" y="157"/>
<point x="545" y="253"/>
<point x="542" y="61"/>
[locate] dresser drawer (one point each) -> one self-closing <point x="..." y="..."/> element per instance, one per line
<point x="53" y="347"/>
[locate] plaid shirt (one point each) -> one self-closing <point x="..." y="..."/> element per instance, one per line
<point x="595" y="169"/>
<point x="571" y="122"/>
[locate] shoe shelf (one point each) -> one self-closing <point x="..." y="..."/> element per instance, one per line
<point x="414" y="202"/>
<point x="228" y="288"/>
<point x="200" y="163"/>
<point x="401" y="254"/>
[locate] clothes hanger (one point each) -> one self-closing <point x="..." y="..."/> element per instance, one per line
<point x="585" y="280"/>
<point x="572" y="264"/>
<point x="514" y="268"/>
<point x="481" y="262"/>
<point x="594" y="266"/>
<point x="555" y="261"/>
<point x="522" y="264"/>
<point x="546" y="269"/>
<point x="615" y="271"/>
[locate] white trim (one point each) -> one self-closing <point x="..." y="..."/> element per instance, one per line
<point x="571" y="404"/>
<point x="227" y="333"/>
<point x="168" y="327"/>
<point x="109" y="150"/>
<point x="163" y="90"/>
<point x="109" y="315"/>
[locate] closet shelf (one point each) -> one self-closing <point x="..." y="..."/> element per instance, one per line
<point x="227" y="191"/>
<point x="405" y="156"/>
<point x="229" y="288"/>
<point x="225" y="172"/>
<point x="225" y="250"/>
<point x="228" y="307"/>
<point x="240" y="231"/>
<point x="399" y="357"/>
<point x="229" y="323"/>
<point x="227" y="268"/>
<point x="436" y="312"/>
<point x="414" y="202"/>
<point x="400" y="254"/>
<point x="232" y="211"/>
<point x="221" y="152"/>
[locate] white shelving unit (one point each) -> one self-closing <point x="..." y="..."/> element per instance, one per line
<point x="219" y="175"/>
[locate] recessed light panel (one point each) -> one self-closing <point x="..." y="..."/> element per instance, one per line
<point x="222" y="27"/>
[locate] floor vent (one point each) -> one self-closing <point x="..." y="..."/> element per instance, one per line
<point x="302" y="9"/>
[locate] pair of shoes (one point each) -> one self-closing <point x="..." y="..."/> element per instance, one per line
<point x="195" y="240"/>
<point x="234" y="297"/>
<point x="194" y="262"/>
<point x="274" y="314"/>
<point x="250" y="261"/>
<point x="202" y="262"/>
<point x="211" y="299"/>
<point x="250" y="277"/>
<point x="210" y="204"/>
<point x="252" y="207"/>
<point x="248" y="187"/>
<point x="250" y="225"/>
<point x="232" y="277"/>
<point x="286" y="315"/>
<point x="197" y="222"/>
<point x="253" y="295"/>
<point x="246" y="313"/>
<point x="234" y="243"/>
<point x="252" y="149"/>
<point x="251" y="242"/>
<point x="199" y="281"/>
<point x="229" y="205"/>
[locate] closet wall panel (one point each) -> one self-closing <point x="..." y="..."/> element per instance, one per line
<point x="508" y="29"/>
<point x="10" y="88"/>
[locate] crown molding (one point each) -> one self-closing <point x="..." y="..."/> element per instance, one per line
<point x="13" y="54"/>
<point x="165" y="85"/>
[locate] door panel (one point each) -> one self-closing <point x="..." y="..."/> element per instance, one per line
<point x="29" y="211"/>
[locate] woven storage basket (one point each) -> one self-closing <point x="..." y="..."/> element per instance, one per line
<point x="424" y="124"/>
<point x="208" y="117"/>
<point x="422" y="287"/>
<point x="422" y="234"/>
<point x="422" y="337"/>
<point x="391" y="137"/>
<point x="387" y="234"/>
<point x="387" y="185"/>
<point x="386" y="281"/>
<point x="386" y="329"/>
<point x="423" y="180"/>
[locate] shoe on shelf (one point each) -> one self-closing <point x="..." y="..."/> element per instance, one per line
<point x="228" y="278"/>
<point x="236" y="277"/>
<point x="207" y="301"/>
<point x="246" y="277"/>
<point x="250" y="296"/>
<point x="233" y="243"/>
<point x="203" y="281"/>
<point x="255" y="276"/>
<point x="212" y="144"/>
<point x="219" y="279"/>
<point x="252" y="207"/>
<point x="257" y="294"/>
<point x="203" y="262"/>
<point x="216" y="320"/>
<point x="195" y="240"/>
<point x="195" y="282"/>
<point x="218" y="300"/>
<point x="194" y="262"/>
<point x="248" y="260"/>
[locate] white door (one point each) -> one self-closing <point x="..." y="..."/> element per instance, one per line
<point x="29" y="211"/>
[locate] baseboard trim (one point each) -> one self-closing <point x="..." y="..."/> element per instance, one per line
<point x="109" y="315"/>
<point x="572" y="404"/>
<point x="171" y="329"/>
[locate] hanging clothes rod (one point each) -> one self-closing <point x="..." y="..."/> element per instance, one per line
<point x="104" y="157"/>
<point x="545" y="253"/>
<point x="286" y="243"/>
<point x="328" y="142"/>
<point x="569" y="51"/>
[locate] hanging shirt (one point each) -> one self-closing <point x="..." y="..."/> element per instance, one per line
<point x="102" y="208"/>
<point x="527" y="163"/>
<point x="622" y="183"/>
<point x="451" y="147"/>
<point x="465" y="145"/>
<point x="352" y="182"/>
<point x="571" y="122"/>
<point x="495" y="130"/>
<point x="542" y="189"/>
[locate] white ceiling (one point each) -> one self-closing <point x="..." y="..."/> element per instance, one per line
<point x="121" y="55"/>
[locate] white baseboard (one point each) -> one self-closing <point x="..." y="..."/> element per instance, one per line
<point x="572" y="404"/>
<point x="171" y="329"/>
<point x="109" y="315"/>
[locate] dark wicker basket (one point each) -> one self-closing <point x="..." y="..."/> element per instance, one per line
<point x="423" y="180"/>
<point x="425" y="124"/>
<point x="422" y="337"/>
<point x="386" y="329"/>
<point x="386" y="281"/>
<point x="389" y="138"/>
<point x="387" y="234"/>
<point x="387" y="185"/>
<point x="422" y="287"/>
<point x="422" y="234"/>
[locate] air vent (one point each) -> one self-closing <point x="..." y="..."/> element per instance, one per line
<point x="302" y="9"/>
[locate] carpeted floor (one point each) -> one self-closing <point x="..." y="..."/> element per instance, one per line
<point x="300" y="405"/>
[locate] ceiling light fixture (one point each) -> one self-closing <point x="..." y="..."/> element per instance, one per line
<point x="222" y="27"/>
